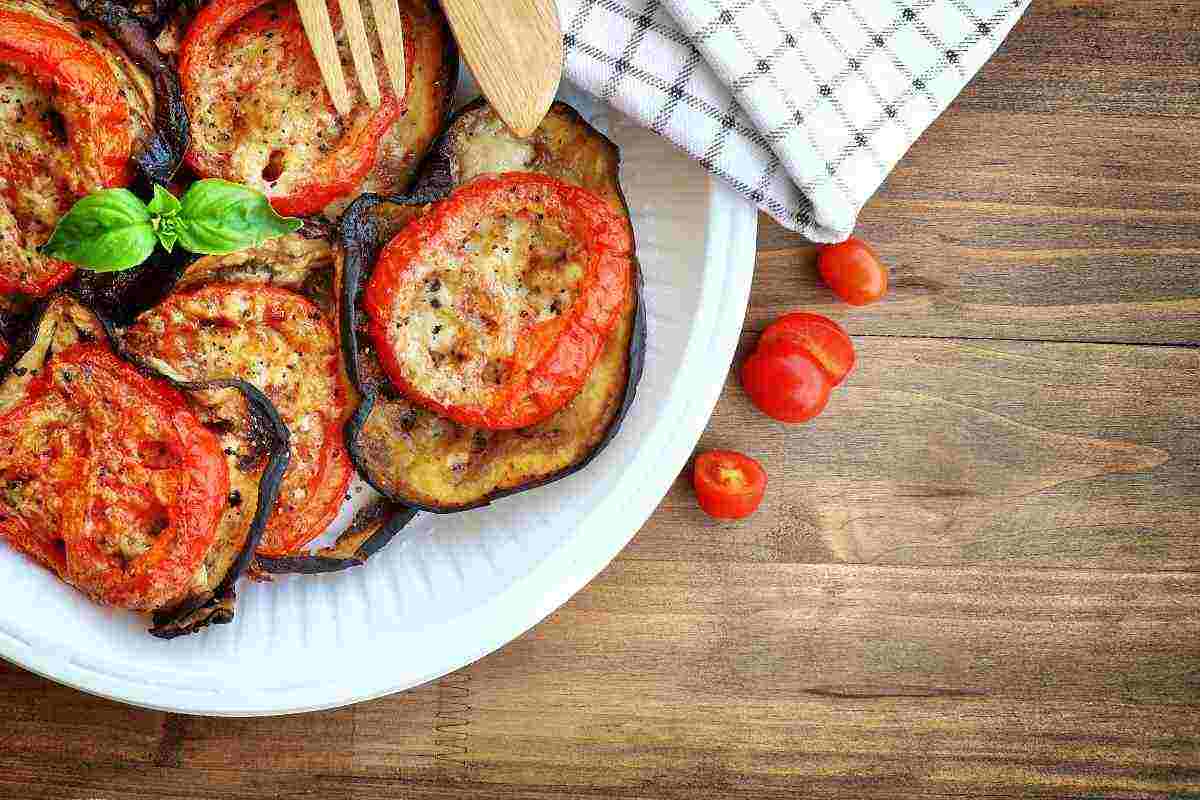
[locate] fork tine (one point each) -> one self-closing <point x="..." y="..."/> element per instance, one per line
<point x="391" y="35"/>
<point x="360" y="48"/>
<point x="315" y="17"/>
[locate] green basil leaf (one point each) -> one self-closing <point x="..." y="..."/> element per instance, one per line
<point x="106" y="231"/>
<point x="163" y="203"/>
<point x="220" y="217"/>
<point x="168" y="239"/>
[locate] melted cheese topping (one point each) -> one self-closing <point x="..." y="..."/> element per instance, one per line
<point x="461" y="326"/>
<point x="263" y="104"/>
<point x="40" y="179"/>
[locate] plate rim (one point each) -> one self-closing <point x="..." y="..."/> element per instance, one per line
<point x="729" y="251"/>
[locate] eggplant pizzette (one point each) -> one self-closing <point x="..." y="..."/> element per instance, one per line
<point x="458" y="317"/>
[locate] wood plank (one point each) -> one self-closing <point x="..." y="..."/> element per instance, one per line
<point x="967" y="452"/>
<point x="756" y="680"/>
<point x="1059" y="198"/>
<point x="44" y="722"/>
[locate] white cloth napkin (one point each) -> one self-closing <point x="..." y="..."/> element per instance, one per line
<point x="803" y="106"/>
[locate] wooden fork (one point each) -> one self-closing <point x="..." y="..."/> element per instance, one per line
<point x="315" y="16"/>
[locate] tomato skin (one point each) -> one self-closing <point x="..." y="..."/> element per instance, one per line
<point x="184" y="468"/>
<point x="193" y="330"/>
<point x="352" y="158"/>
<point x="552" y="360"/>
<point x="95" y="114"/>
<point x="785" y="382"/>
<point x="853" y="271"/>
<point x="823" y="338"/>
<point x="728" y="485"/>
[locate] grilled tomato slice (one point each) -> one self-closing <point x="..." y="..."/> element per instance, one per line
<point x="44" y="458"/>
<point x="110" y="480"/>
<point x="283" y="345"/>
<point x="492" y="308"/>
<point x="260" y="113"/>
<point x="64" y="132"/>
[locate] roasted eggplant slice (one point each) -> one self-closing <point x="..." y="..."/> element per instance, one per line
<point x="306" y="266"/>
<point x="162" y="153"/>
<point x="417" y="458"/>
<point x="283" y="344"/>
<point x="252" y="444"/>
<point x="246" y="67"/>
<point x="74" y="109"/>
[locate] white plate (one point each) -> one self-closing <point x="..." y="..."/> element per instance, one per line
<point x="451" y="588"/>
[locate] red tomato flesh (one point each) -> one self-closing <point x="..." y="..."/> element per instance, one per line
<point x="110" y="479"/>
<point x="728" y="485"/>
<point x="786" y="383"/>
<point x="823" y="338"/>
<point x="853" y="271"/>
<point x="246" y="67"/>
<point x="506" y="342"/>
<point x="40" y="184"/>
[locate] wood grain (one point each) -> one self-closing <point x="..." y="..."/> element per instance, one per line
<point x="977" y="575"/>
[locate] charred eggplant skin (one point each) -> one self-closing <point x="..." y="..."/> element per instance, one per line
<point x="371" y="531"/>
<point x="270" y="433"/>
<point x="163" y="154"/>
<point x="360" y="238"/>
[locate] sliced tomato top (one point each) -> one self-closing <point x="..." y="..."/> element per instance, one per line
<point x="492" y="308"/>
<point x="44" y="458"/>
<point x="110" y="480"/>
<point x="281" y="343"/>
<point x="64" y="132"/>
<point x="137" y="535"/>
<point x="259" y="109"/>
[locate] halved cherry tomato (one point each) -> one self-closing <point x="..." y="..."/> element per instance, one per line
<point x="40" y="183"/>
<point x="492" y="308"/>
<point x="853" y="271"/>
<point x="786" y="382"/>
<point x="823" y="338"/>
<point x="260" y="112"/>
<point x="728" y="485"/>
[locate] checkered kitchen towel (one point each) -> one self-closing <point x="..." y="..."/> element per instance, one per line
<point x="803" y="106"/>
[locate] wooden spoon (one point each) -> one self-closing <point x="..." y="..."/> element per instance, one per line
<point x="514" y="48"/>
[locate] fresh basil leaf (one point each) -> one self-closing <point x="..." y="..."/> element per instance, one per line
<point x="167" y="229"/>
<point x="168" y="239"/>
<point x="219" y="217"/>
<point x="163" y="203"/>
<point x="106" y="231"/>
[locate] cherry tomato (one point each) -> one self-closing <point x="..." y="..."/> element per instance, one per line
<point x="853" y="271"/>
<point x="786" y="382"/>
<point x="823" y="338"/>
<point x="728" y="485"/>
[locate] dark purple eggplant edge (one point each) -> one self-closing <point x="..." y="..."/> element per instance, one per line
<point x="163" y="155"/>
<point x="274" y="438"/>
<point x="269" y="430"/>
<point x="357" y="235"/>
<point x="317" y="564"/>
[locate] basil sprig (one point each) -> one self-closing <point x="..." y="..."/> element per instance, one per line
<point x="112" y="230"/>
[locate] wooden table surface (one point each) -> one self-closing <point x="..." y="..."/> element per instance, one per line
<point x="975" y="575"/>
